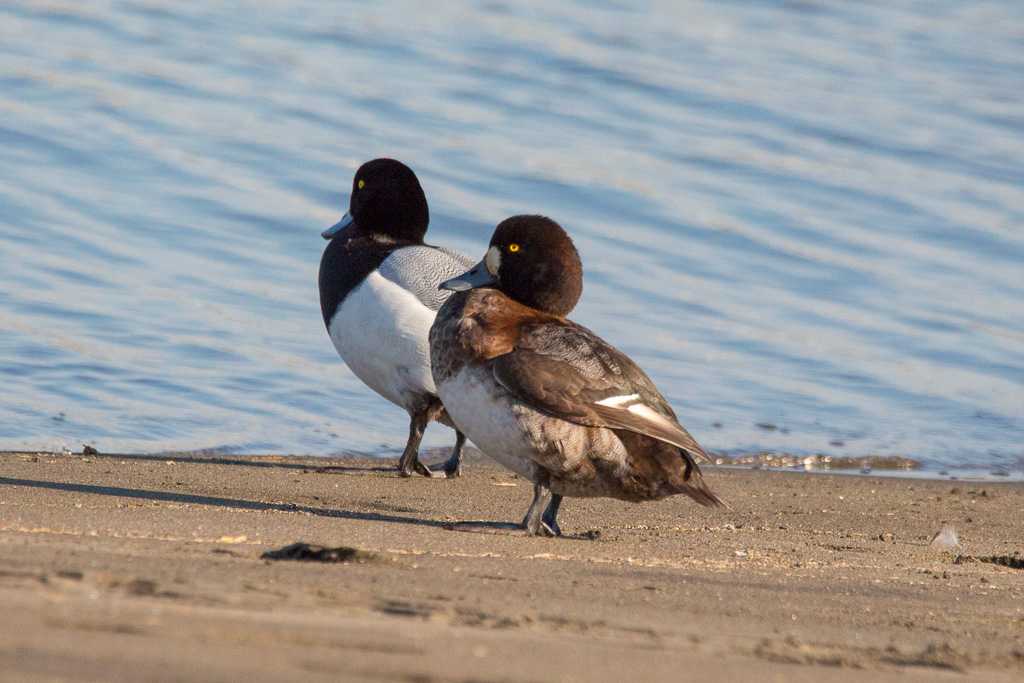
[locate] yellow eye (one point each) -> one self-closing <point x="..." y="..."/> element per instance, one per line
<point x="361" y="184"/>
<point x="513" y="247"/>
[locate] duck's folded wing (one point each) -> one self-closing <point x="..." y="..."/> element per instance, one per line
<point x="567" y="371"/>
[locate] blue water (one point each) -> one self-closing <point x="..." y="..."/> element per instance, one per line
<point x="807" y="215"/>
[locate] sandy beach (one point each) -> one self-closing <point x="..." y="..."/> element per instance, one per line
<point x="117" y="567"/>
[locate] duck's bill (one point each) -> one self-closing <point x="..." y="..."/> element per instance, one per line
<point x="477" y="276"/>
<point x="345" y="221"/>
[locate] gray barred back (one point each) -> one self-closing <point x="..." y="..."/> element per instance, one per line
<point x="420" y="269"/>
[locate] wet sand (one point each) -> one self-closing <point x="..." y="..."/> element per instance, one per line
<point x="149" y="568"/>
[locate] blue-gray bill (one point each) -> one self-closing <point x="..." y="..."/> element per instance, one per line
<point x="477" y="276"/>
<point x="345" y="221"/>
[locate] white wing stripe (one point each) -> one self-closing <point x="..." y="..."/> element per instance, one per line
<point x="630" y="412"/>
<point x="634" y="405"/>
<point x="617" y="401"/>
<point x="647" y="414"/>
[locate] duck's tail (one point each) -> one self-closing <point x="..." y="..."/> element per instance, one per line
<point x="695" y="487"/>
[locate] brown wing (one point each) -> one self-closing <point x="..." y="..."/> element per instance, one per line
<point x="565" y="370"/>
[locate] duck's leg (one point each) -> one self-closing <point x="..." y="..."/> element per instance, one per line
<point x="419" y="418"/>
<point x="409" y="463"/>
<point x="536" y="520"/>
<point x="535" y="523"/>
<point x="453" y="467"/>
<point x="548" y="520"/>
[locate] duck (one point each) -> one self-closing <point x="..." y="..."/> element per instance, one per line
<point x="379" y="294"/>
<point x="546" y="397"/>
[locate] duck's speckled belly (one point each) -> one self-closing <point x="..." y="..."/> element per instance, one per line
<point x="528" y="442"/>
<point x="484" y="412"/>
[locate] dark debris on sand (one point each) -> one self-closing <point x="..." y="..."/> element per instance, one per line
<point x="305" y="552"/>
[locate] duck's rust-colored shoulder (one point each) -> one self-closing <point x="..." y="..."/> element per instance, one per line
<point x="495" y="322"/>
<point x="477" y="326"/>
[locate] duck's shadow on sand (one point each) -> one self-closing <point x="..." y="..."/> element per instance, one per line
<point x="274" y="464"/>
<point x="232" y="503"/>
<point x="241" y="504"/>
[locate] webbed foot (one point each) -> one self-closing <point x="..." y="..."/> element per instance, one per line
<point x="504" y="529"/>
<point x="453" y="466"/>
<point x="409" y="468"/>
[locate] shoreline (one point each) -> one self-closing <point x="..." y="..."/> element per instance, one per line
<point x="889" y="466"/>
<point x="123" y="567"/>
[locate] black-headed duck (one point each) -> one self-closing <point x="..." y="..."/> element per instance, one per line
<point x="379" y="295"/>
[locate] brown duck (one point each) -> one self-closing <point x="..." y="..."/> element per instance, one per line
<point x="548" y="398"/>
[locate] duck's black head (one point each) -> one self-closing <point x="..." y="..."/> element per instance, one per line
<point x="533" y="261"/>
<point x="387" y="204"/>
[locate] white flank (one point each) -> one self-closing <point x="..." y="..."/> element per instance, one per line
<point x="380" y="331"/>
<point x="616" y="401"/>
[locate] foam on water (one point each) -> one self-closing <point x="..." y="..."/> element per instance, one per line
<point x="800" y="214"/>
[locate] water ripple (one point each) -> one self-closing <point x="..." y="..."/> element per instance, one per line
<point x="801" y="214"/>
